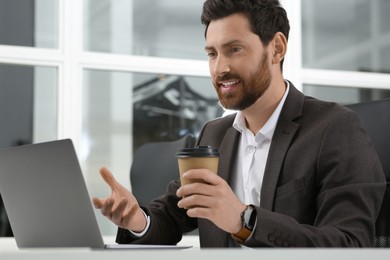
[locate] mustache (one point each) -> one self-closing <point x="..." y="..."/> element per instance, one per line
<point x="227" y="76"/>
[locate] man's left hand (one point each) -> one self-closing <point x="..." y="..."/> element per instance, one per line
<point x="212" y="199"/>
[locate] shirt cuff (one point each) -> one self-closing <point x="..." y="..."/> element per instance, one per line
<point x="146" y="228"/>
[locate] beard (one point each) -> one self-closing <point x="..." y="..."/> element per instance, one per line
<point x="251" y="90"/>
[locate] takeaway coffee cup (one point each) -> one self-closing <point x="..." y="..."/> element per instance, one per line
<point x="201" y="157"/>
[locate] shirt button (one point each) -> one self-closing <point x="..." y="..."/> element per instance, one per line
<point x="250" y="149"/>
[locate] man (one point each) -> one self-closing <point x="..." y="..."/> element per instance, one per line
<point x="294" y="171"/>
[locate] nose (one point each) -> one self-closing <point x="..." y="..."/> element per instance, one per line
<point x="220" y="66"/>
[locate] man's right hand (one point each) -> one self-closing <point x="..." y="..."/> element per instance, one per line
<point x="121" y="207"/>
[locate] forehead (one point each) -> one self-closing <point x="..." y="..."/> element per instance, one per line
<point x="233" y="27"/>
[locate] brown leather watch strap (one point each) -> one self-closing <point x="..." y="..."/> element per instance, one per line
<point x="242" y="235"/>
<point x="247" y="226"/>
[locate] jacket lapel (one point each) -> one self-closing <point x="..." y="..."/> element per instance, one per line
<point x="228" y="149"/>
<point x="283" y="135"/>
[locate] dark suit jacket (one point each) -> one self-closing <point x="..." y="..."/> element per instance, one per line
<point x="323" y="183"/>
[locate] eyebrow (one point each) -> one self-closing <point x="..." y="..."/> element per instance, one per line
<point x="226" y="44"/>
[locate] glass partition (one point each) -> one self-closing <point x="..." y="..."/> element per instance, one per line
<point x="345" y="95"/>
<point x="123" y="110"/>
<point x="346" y="35"/>
<point x="31" y="23"/>
<point x="169" y="28"/>
<point x="28" y="104"/>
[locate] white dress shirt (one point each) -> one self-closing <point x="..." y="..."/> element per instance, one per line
<point x="252" y="155"/>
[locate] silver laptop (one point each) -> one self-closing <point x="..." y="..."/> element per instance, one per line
<point x="46" y="198"/>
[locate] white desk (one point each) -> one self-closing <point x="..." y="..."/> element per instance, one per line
<point x="8" y="250"/>
<point x="9" y="244"/>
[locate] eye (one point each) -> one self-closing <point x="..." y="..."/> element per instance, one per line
<point x="236" y="49"/>
<point x="211" y="55"/>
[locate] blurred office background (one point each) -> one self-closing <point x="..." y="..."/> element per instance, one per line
<point x="114" y="74"/>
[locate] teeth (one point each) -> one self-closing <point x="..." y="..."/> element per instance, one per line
<point x="227" y="84"/>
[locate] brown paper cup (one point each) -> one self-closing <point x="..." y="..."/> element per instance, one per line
<point x="202" y="157"/>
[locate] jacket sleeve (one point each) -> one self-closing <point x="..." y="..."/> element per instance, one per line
<point x="167" y="221"/>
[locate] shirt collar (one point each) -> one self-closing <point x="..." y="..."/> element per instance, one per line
<point x="269" y="128"/>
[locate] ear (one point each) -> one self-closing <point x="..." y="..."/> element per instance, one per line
<point x="279" y="47"/>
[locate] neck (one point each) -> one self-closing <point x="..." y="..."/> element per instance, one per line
<point x="258" y="114"/>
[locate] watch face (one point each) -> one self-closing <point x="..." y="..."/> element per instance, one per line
<point x="249" y="218"/>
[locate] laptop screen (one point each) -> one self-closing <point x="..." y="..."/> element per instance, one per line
<point x="46" y="197"/>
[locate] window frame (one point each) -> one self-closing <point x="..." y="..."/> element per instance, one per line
<point x="71" y="60"/>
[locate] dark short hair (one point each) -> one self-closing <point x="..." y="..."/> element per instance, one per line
<point x="266" y="17"/>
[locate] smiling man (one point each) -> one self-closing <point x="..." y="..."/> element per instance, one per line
<point x="294" y="170"/>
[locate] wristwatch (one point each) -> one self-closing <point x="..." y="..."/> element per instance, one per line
<point x="248" y="218"/>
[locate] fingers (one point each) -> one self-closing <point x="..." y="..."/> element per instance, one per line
<point x="194" y="188"/>
<point x="121" y="214"/>
<point x="121" y="206"/>
<point x="201" y="174"/>
<point x="107" y="208"/>
<point x="195" y="201"/>
<point x="97" y="203"/>
<point x="118" y="213"/>
<point x="108" y="178"/>
<point x="201" y="181"/>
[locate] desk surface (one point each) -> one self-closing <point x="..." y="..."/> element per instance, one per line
<point x="9" y="244"/>
<point x="9" y="250"/>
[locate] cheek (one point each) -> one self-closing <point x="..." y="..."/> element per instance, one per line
<point x="210" y="67"/>
<point x="212" y="73"/>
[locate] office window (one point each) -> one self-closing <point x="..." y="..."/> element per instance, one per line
<point x="28" y="104"/>
<point x="345" y="95"/>
<point x="123" y="110"/>
<point x="29" y="23"/>
<point x="169" y="28"/>
<point x="346" y="35"/>
<point x="94" y="67"/>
